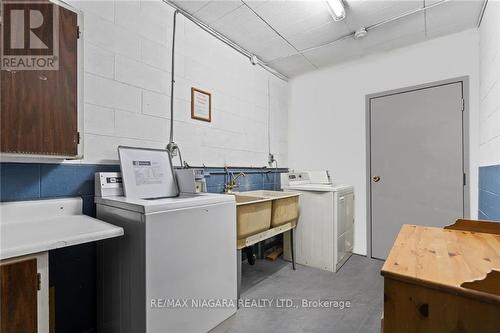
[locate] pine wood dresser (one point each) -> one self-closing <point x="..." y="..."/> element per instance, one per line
<point x="443" y="279"/>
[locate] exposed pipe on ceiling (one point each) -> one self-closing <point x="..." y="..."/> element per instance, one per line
<point x="371" y="27"/>
<point x="276" y="31"/>
<point x="266" y="66"/>
<point x="481" y="14"/>
<point x="251" y="57"/>
<point x="411" y="12"/>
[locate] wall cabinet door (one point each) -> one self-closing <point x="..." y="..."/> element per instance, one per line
<point x="19" y="289"/>
<point x="39" y="107"/>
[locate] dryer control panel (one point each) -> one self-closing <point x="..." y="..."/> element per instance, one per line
<point x="309" y="177"/>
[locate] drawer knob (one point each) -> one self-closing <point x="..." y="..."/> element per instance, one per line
<point x="423" y="309"/>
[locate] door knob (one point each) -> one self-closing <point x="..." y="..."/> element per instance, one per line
<point x="376" y="179"/>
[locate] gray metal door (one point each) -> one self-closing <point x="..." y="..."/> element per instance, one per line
<point x="417" y="174"/>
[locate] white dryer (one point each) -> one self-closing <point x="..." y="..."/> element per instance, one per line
<point x="324" y="235"/>
<point x="173" y="269"/>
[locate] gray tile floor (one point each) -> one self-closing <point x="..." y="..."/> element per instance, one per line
<point x="358" y="281"/>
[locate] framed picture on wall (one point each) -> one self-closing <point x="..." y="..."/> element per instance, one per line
<point x="201" y="105"/>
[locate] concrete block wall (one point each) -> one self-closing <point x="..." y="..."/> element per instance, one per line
<point x="127" y="56"/>
<point x="127" y="47"/>
<point x="489" y="127"/>
<point x="489" y="55"/>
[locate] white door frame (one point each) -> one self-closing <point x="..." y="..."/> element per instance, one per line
<point x="465" y="146"/>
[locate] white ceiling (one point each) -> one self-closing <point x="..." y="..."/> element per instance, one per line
<point x="282" y="32"/>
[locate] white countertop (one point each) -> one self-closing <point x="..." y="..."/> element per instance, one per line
<point x="50" y="224"/>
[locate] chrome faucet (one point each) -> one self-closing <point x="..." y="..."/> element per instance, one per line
<point x="231" y="184"/>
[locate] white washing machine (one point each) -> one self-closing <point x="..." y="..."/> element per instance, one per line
<point x="324" y="236"/>
<point x="174" y="270"/>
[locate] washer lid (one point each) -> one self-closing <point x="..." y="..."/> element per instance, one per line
<point x="317" y="187"/>
<point x="147" y="206"/>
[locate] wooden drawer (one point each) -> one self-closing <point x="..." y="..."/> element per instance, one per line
<point x="411" y="308"/>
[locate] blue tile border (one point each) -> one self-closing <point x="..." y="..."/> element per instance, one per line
<point x="254" y="179"/>
<point x="32" y="181"/>
<point x="489" y="192"/>
<point x="70" y="180"/>
<point x="489" y="178"/>
<point x="19" y="181"/>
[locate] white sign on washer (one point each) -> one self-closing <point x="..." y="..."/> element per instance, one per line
<point x="147" y="173"/>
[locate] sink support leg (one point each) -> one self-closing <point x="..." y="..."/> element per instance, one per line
<point x="238" y="276"/>
<point x="292" y="249"/>
<point x="260" y="252"/>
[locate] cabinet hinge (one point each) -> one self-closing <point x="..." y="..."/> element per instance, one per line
<point x="78" y="32"/>
<point x="38" y="281"/>
<point x="77" y="138"/>
<point x="465" y="179"/>
<point x="462" y="105"/>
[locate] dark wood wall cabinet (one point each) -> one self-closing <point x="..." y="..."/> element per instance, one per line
<point x="39" y="108"/>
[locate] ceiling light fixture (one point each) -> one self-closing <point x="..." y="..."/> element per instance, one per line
<point x="336" y="8"/>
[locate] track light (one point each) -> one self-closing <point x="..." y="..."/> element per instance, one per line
<point x="336" y="8"/>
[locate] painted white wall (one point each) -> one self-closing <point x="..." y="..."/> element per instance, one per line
<point x="489" y="86"/>
<point x="127" y="47"/>
<point x="327" y="109"/>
